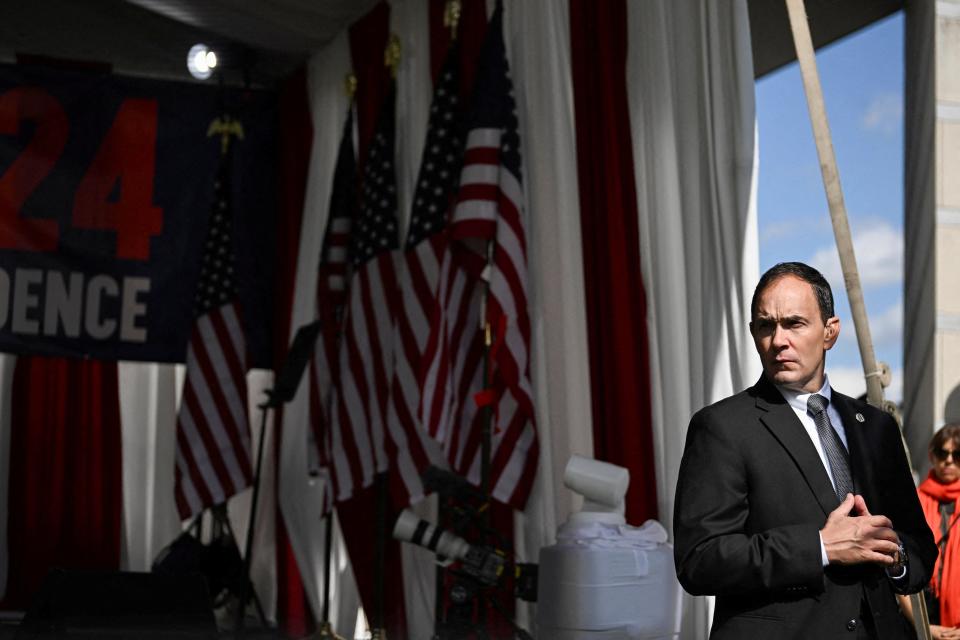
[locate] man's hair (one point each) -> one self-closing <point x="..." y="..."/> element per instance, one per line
<point x="821" y="288"/>
<point x="949" y="433"/>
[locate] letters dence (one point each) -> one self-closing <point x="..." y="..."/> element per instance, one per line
<point x="115" y="193"/>
<point x="37" y="302"/>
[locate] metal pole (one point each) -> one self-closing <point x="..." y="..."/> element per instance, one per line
<point x="841" y="230"/>
<point x="328" y="561"/>
<point x="326" y="631"/>
<point x="378" y="627"/>
<point x="248" y="547"/>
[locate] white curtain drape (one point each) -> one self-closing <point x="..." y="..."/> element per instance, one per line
<point x="690" y="85"/>
<point x="149" y="398"/>
<point x="537" y="36"/>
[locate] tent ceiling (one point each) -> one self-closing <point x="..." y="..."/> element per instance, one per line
<point x="264" y="40"/>
<point x="829" y="20"/>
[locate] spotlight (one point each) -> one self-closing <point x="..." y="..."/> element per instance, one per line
<point x="201" y="61"/>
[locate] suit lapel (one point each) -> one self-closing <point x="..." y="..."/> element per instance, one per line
<point x="783" y="423"/>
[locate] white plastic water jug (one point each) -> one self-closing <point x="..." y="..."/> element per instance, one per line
<point x="608" y="581"/>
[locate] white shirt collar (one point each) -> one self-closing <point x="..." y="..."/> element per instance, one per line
<point x="798" y="400"/>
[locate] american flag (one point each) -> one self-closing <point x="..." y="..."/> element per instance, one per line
<point x="487" y="217"/>
<point x="213" y="434"/>
<point x="409" y="445"/>
<point x="357" y="434"/>
<point x="332" y="278"/>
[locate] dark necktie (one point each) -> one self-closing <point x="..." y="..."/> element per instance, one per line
<point x="832" y="446"/>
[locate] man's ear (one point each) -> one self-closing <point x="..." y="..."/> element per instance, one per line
<point x="831" y="331"/>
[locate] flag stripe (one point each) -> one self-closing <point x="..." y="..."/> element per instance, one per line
<point x="207" y="407"/>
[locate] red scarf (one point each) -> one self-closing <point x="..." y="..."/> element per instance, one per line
<point x="932" y="492"/>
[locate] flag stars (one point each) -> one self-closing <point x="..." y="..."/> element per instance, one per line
<point x="441" y="158"/>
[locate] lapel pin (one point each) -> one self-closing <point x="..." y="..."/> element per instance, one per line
<point x="860" y="417"/>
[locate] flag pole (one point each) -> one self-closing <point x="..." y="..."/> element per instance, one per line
<point x="452" y="12"/>
<point x="245" y="587"/>
<point x="228" y="128"/>
<point x="326" y="629"/>
<point x="873" y="373"/>
<point x="378" y="631"/>
<point x="486" y="430"/>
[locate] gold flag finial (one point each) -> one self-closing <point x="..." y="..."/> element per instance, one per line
<point x="226" y="127"/>
<point x="451" y="16"/>
<point x="391" y="55"/>
<point x="350" y="85"/>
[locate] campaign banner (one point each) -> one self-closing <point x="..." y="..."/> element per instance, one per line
<point x="106" y="187"/>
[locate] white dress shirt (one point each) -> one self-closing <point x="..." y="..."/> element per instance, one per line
<point x="798" y="402"/>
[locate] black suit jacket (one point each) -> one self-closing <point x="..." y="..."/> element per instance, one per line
<point x="751" y="498"/>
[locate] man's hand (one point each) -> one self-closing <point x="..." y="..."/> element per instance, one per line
<point x="852" y="535"/>
<point x="944" y="633"/>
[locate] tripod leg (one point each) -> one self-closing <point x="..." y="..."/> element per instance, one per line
<point x="248" y="551"/>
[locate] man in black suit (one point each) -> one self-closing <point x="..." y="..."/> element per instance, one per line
<point x="795" y="505"/>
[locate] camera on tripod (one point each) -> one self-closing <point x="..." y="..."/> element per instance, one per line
<point x="485" y="564"/>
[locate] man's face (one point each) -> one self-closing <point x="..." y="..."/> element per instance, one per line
<point x="790" y="335"/>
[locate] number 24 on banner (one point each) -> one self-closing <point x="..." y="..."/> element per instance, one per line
<point x="127" y="155"/>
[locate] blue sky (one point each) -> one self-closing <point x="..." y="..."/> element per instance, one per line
<point x="862" y="78"/>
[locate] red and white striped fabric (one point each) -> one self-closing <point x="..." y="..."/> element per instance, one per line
<point x="213" y="432"/>
<point x="488" y="216"/>
<point x="365" y="359"/>
<point x="410" y="447"/>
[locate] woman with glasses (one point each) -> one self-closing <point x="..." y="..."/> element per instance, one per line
<point x="939" y="494"/>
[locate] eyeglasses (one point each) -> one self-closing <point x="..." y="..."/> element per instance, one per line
<point x="942" y="454"/>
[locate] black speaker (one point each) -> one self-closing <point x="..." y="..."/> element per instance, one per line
<point x="116" y="604"/>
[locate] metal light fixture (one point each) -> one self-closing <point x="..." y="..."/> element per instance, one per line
<point x="201" y="61"/>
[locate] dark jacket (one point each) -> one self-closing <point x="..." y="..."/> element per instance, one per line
<point x="751" y="498"/>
